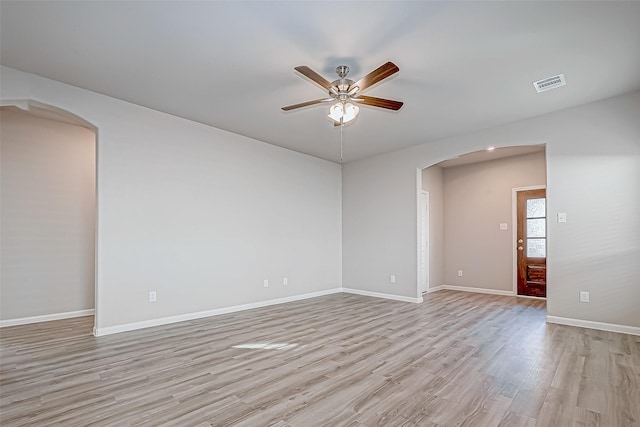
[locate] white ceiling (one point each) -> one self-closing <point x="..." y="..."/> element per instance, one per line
<point x="464" y="66"/>
<point x="488" y="155"/>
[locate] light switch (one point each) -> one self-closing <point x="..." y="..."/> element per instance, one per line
<point x="562" y="217"/>
<point x="504" y="226"/>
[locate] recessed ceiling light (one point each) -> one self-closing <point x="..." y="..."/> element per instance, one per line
<point x="491" y="148"/>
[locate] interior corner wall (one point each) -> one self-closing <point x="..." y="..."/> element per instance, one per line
<point x="197" y="214"/>
<point x="477" y="199"/>
<point x="593" y="175"/>
<point x="379" y="219"/>
<point x="47" y="179"/>
<point x="432" y="182"/>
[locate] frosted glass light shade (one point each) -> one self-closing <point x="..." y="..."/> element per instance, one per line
<point x="346" y="112"/>
<point x="335" y="112"/>
<point x="350" y="112"/>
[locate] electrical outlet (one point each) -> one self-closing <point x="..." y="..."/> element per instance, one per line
<point x="285" y="281"/>
<point x="584" y="296"/>
<point x="459" y="273"/>
<point x="266" y="283"/>
<point x="392" y="278"/>
<point x="152" y="296"/>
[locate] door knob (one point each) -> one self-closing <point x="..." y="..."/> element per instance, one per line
<point x="520" y="240"/>
<point x="519" y="248"/>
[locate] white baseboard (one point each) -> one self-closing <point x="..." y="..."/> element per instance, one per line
<point x="530" y="297"/>
<point x="46" y="318"/>
<point x="469" y="289"/>
<point x="215" y="312"/>
<point x="609" y="327"/>
<point x="198" y="315"/>
<point x="381" y="295"/>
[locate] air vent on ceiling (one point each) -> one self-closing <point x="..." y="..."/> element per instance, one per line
<point x="549" y="83"/>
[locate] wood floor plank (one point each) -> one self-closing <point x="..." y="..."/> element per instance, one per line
<point x="339" y="360"/>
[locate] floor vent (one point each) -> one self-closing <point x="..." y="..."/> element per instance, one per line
<point x="549" y="83"/>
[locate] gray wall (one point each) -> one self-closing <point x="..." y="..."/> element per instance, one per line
<point x="477" y="198"/>
<point x="432" y="183"/>
<point x="593" y="161"/>
<point x="200" y="215"/>
<point x="48" y="216"/>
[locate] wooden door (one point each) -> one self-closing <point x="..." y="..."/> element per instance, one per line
<point x="532" y="242"/>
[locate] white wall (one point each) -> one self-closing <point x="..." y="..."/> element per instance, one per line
<point x="477" y="198"/>
<point x="432" y="182"/>
<point x="593" y="161"/>
<point x="197" y="214"/>
<point x="47" y="215"/>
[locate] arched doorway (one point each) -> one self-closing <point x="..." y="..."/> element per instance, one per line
<point x="471" y="230"/>
<point x="49" y="214"/>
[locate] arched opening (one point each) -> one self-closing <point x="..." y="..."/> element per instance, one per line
<point x="471" y="233"/>
<point x="49" y="214"/>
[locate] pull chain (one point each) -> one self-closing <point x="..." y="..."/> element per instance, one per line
<point x="341" y="126"/>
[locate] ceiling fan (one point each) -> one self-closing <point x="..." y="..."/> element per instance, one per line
<point x="346" y="93"/>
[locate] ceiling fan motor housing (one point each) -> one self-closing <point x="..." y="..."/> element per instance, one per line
<point x="340" y="89"/>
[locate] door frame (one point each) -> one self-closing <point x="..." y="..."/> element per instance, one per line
<point x="419" y="197"/>
<point x="423" y="225"/>
<point x="514" y="234"/>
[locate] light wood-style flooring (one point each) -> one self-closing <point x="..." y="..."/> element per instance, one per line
<point x="339" y="360"/>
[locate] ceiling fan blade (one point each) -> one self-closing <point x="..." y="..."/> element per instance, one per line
<point x="377" y="75"/>
<point x="313" y="76"/>
<point x="379" y="102"/>
<point x="306" y="104"/>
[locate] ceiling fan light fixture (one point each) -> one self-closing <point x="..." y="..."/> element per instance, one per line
<point x="343" y="112"/>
